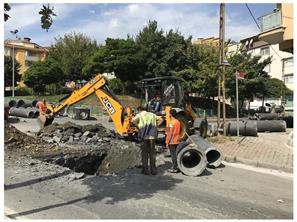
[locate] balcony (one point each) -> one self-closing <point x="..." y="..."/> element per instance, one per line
<point x="270" y="21"/>
<point x="272" y="30"/>
<point x="32" y="58"/>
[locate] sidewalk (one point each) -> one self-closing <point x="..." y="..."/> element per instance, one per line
<point x="268" y="150"/>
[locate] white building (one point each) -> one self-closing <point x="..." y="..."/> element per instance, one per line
<point x="281" y="66"/>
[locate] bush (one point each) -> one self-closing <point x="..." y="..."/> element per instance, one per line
<point x="116" y="86"/>
<point x="23" y="91"/>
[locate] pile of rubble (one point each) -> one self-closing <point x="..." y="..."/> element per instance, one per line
<point x="71" y="133"/>
<point x="90" y="149"/>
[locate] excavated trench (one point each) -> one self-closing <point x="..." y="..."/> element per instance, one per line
<point x="88" y="164"/>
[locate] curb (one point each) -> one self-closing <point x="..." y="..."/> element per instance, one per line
<point x="235" y="159"/>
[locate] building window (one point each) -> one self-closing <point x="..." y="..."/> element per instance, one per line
<point x="289" y="78"/>
<point x="7" y="51"/>
<point x="267" y="68"/>
<point x="265" y="51"/>
<point x="30" y="53"/>
<point x="28" y="63"/>
<point x="288" y="63"/>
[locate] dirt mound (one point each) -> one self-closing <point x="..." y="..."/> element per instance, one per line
<point x="88" y="149"/>
<point x="15" y="140"/>
<point x="122" y="155"/>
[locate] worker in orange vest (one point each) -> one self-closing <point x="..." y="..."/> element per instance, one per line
<point x="42" y="107"/>
<point x="173" y="139"/>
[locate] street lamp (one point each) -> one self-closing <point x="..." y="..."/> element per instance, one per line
<point x="13" y="33"/>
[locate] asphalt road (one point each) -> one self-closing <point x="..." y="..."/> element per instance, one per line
<point x="37" y="190"/>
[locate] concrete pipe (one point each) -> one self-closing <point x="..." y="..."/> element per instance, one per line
<point x="20" y="103"/>
<point x="10" y="103"/>
<point x="213" y="156"/>
<point x="21" y="112"/>
<point x="266" y="116"/>
<point x="246" y="128"/>
<point x="29" y="103"/>
<point x="289" y="121"/>
<point x="271" y="126"/>
<point x="35" y="110"/>
<point x="191" y="161"/>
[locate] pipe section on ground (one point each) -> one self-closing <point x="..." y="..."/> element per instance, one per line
<point x="289" y="121"/>
<point x="10" y="103"/>
<point x="20" y="103"/>
<point x="190" y="160"/>
<point x="246" y="128"/>
<point x="35" y="110"/>
<point x="266" y="116"/>
<point x="21" y="112"/>
<point x="29" y="103"/>
<point x="213" y="156"/>
<point x="271" y="126"/>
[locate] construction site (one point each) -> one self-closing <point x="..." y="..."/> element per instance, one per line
<point x="159" y="124"/>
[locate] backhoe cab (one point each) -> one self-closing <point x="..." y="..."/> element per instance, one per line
<point x="169" y="91"/>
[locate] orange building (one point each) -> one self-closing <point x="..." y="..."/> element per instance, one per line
<point x="26" y="52"/>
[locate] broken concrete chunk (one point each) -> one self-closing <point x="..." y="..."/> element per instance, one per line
<point x="71" y="139"/>
<point x="87" y="133"/>
<point x="76" y="176"/>
<point x="77" y="134"/>
<point x="57" y="139"/>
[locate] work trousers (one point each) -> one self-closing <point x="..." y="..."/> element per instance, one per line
<point x="172" y="149"/>
<point x="148" y="152"/>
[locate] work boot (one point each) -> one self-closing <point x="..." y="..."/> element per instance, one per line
<point x="154" y="172"/>
<point x="145" y="172"/>
<point x="173" y="170"/>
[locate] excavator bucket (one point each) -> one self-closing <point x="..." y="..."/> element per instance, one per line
<point x="45" y="121"/>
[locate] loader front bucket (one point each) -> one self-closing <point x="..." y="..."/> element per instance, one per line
<point x="45" y="121"/>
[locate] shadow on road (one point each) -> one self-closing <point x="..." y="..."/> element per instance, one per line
<point x="36" y="180"/>
<point x="112" y="189"/>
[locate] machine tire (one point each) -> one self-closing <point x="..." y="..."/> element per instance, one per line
<point x="185" y="126"/>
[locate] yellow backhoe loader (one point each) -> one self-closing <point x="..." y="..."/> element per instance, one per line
<point x="122" y="116"/>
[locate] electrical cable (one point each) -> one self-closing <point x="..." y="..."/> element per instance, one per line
<point x="252" y="15"/>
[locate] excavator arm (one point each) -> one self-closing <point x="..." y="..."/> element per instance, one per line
<point x="122" y="117"/>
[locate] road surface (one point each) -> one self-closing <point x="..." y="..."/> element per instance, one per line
<point x="37" y="190"/>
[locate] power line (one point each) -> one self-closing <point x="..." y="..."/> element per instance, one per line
<point x="252" y="15"/>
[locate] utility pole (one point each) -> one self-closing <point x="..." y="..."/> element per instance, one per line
<point x="222" y="65"/>
<point x="13" y="57"/>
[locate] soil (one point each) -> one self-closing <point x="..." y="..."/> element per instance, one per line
<point x="90" y="149"/>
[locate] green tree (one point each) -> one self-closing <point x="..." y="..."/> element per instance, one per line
<point x="254" y="82"/>
<point x="43" y="73"/>
<point x="200" y="72"/>
<point x="6" y="9"/>
<point x="71" y="52"/>
<point x="8" y="71"/>
<point x="46" y="16"/>
<point x="121" y="56"/>
<point x="164" y="53"/>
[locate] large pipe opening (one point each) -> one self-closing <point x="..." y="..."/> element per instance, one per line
<point x="212" y="156"/>
<point x="191" y="159"/>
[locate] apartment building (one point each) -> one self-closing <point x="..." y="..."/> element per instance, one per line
<point x="212" y="41"/>
<point x="277" y="27"/>
<point x="25" y="51"/>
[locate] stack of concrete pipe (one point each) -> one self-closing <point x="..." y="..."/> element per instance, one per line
<point x="272" y="122"/>
<point x="23" y="108"/>
<point x="195" y="154"/>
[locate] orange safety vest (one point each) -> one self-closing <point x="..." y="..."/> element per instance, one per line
<point x="42" y="107"/>
<point x="172" y="132"/>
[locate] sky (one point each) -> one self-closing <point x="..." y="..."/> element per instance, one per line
<point x="99" y="21"/>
